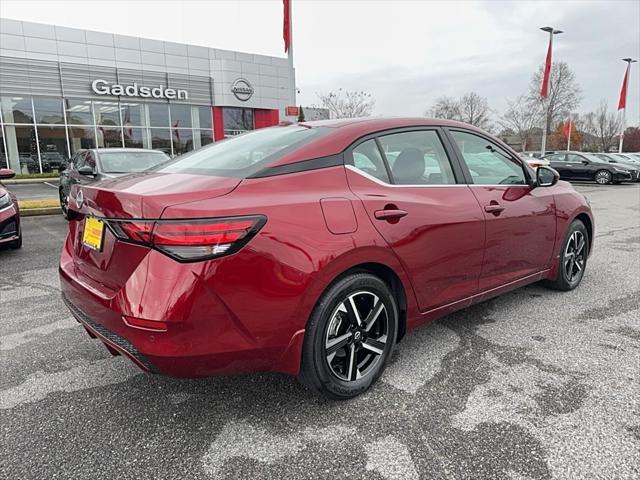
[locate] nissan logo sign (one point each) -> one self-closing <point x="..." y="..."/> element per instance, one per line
<point x="242" y="89"/>
<point x="102" y="87"/>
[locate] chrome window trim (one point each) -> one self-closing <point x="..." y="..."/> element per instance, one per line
<point x="380" y="182"/>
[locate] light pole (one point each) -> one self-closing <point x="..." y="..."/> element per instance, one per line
<point x="546" y="79"/>
<point x="622" y="104"/>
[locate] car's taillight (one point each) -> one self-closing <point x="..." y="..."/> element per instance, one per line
<point x="190" y="240"/>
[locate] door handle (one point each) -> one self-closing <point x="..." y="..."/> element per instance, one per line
<point x="390" y="214"/>
<point x="494" y="208"/>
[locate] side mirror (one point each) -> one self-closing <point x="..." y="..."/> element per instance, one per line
<point x="586" y="162"/>
<point x="86" y="170"/>
<point x="6" y="174"/>
<point x="546" y="176"/>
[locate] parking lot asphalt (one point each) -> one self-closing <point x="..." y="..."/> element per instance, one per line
<point x="35" y="191"/>
<point x="535" y="384"/>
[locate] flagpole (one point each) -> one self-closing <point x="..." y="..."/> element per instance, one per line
<point x="625" y="86"/>
<point x="292" y="79"/>
<point x="544" y="93"/>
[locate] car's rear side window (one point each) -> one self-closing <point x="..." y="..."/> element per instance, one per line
<point x="367" y="158"/>
<point x="245" y="154"/>
<point x="417" y="158"/>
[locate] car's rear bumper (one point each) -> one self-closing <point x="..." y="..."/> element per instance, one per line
<point x="203" y="339"/>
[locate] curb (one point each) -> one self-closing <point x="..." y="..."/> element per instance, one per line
<point x="34" y="212"/>
<point x="30" y="180"/>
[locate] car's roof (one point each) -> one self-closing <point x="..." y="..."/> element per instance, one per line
<point x="344" y="132"/>
<point x="125" y="149"/>
<point x="382" y="123"/>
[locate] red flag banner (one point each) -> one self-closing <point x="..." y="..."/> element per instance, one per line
<point x="544" y="91"/>
<point x="567" y="129"/>
<point x="622" y="103"/>
<point x="286" y="30"/>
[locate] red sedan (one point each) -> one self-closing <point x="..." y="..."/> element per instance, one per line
<point x="10" y="231"/>
<point x="311" y="249"/>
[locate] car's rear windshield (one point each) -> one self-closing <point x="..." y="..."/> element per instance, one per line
<point x="129" y="162"/>
<point x="244" y="155"/>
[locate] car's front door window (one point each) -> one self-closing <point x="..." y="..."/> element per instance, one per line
<point x="488" y="164"/>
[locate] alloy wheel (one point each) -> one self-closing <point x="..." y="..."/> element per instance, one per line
<point x="603" y="177"/>
<point x="574" y="256"/>
<point x="356" y="336"/>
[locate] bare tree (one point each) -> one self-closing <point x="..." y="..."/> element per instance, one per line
<point x="445" y="107"/>
<point x="603" y="126"/>
<point x="347" y="104"/>
<point x="471" y="108"/>
<point x="564" y="92"/>
<point x="475" y="110"/>
<point x="522" y="117"/>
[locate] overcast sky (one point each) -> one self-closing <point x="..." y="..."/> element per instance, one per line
<point x="406" y="53"/>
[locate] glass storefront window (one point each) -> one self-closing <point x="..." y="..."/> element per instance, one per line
<point x="48" y="110"/>
<point x="133" y="114"/>
<point x="182" y="140"/>
<point x="109" y="137"/>
<point x="16" y="110"/>
<point x="205" y="136"/>
<point x="180" y="116"/>
<point x="80" y="138"/>
<point x="158" y="114"/>
<point x="27" y="148"/>
<point x="79" y="112"/>
<point x="205" y="116"/>
<point x="135" y="138"/>
<point x="33" y="130"/>
<point x="107" y="113"/>
<point x="53" y="146"/>
<point x="161" y="139"/>
<point x="3" y="151"/>
<point x="237" y="120"/>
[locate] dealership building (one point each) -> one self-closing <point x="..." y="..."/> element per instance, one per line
<point x="64" y="89"/>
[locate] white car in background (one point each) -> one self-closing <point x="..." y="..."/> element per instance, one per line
<point x="534" y="161"/>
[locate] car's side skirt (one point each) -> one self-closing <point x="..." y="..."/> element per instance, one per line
<point x="443" y="310"/>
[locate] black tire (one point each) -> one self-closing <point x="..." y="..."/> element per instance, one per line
<point x="564" y="280"/>
<point x="320" y="371"/>
<point x="64" y="204"/>
<point x="603" y="177"/>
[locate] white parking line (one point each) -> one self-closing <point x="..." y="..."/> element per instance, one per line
<point x="51" y="185"/>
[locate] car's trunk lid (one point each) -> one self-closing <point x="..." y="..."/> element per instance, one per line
<point x="139" y="196"/>
<point x="146" y="195"/>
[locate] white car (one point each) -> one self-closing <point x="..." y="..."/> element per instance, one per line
<point x="535" y="162"/>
